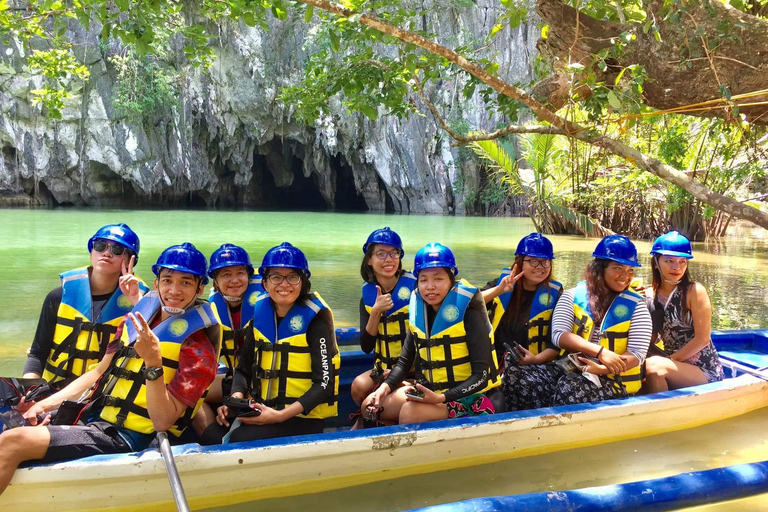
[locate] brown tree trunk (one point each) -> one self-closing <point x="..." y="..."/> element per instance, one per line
<point x="722" y="46"/>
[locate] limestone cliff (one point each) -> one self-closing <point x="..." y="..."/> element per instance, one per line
<point x="230" y="143"/>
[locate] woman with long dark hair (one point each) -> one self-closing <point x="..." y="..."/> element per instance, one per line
<point x="607" y="323"/>
<point x="520" y="303"/>
<point x="685" y="316"/>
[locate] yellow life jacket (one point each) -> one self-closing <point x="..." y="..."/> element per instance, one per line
<point x="539" y="317"/>
<point x="79" y="340"/>
<point x="232" y="336"/>
<point x="394" y="325"/>
<point x="443" y="356"/>
<point x="283" y="363"/>
<point x="124" y="391"/>
<point x="614" y="333"/>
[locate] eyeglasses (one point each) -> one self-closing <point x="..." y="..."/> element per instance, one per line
<point x="382" y="255"/>
<point x="536" y="263"/>
<point x="102" y="246"/>
<point x="276" y="279"/>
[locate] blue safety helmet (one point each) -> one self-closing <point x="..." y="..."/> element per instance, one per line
<point x="286" y="256"/>
<point x="672" y="244"/>
<point x="119" y="233"/>
<point x="535" y="245"/>
<point x="229" y="255"/>
<point x="384" y="236"/>
<point x="183" y="258"/>
<point x="617" y="248"/>
<point x="434" y="255"/>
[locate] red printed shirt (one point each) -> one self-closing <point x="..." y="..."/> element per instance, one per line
<point x="197" y="366"/>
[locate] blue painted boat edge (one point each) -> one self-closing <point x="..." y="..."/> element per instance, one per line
<point x="673" y="492"/>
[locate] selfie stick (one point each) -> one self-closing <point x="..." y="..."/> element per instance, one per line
<point x="173" y="474"/>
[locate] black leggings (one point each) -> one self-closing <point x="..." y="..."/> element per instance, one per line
<point x="291" y="427"/>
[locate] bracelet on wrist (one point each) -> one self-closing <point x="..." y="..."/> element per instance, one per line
<point x="599" y="352"/>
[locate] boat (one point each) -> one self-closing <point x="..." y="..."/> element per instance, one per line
<point x="690" y="489"/>
<point x="219" y="476"/>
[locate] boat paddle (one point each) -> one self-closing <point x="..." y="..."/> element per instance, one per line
<point x="173" y="474"/>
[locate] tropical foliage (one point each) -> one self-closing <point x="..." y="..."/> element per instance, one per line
<point x="377" y="55"/>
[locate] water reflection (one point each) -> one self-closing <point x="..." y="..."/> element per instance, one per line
<point x="36" y="245"/>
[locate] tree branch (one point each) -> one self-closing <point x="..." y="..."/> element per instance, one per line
<point x="568" y="128"/>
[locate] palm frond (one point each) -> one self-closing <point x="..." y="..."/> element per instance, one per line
<point x="582" y="223"/>
<point x="501" y="162"/>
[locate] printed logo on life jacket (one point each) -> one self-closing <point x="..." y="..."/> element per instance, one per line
<point x="296" y="323"/>
<point x="403" y="293"/>
<point x="620" y="311"/>
<point x="124" y="303"/>
<point x="326" y="366"/>
<point x="545" y="299"/>
<point x="450" y="313"/>
<point x="178" y="327"/>
<point x="252" y="298"/>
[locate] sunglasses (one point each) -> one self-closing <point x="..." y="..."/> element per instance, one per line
<point x="276" y="279"/>
<point x="115" y="249"/>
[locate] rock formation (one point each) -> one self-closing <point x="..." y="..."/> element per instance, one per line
<point x="229" y="143"/>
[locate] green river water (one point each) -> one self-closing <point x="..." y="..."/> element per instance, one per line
<point x="35" y="245"/>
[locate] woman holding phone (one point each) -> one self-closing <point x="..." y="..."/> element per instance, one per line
<point x="450" y="345"/>
<point x="520" y="303"/>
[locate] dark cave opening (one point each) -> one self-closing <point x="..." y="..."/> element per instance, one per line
<point x="347" y="196"/>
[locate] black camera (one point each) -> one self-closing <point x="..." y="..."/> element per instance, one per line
<point x="242" y="407"/>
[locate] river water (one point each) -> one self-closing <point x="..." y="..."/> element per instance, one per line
<point x="36" y="245"/>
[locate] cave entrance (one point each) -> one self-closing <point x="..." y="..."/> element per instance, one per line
<point x="347" y="197"/>
<point x="279" y="179"/>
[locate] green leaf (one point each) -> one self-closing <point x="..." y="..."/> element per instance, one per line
<point x="309" y="13"/>
<point x="279" y="12"/>
<point x="249" y="19"/>
<point x="370" y="112"/>
<point x="335" y="43"/>
<point x="123" y="5"/>
<point x="614" y="100"/>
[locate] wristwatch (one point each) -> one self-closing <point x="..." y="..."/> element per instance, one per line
<point x="152" y="373"/>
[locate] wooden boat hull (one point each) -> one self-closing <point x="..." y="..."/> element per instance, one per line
<point x="224" y="475"/>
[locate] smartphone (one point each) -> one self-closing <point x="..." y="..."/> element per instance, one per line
<point x="12" y="419"/>
<point x="249" y="414"/>
<point x="414" y="394"/>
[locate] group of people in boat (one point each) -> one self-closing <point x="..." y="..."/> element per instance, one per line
<point x="131" y="360"/>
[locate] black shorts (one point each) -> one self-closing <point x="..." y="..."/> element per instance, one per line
<point x="77" y="441"/>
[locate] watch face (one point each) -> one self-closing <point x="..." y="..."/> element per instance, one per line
<point x="153" y="373"/>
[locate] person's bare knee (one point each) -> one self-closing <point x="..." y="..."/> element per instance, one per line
<point x="656" y="367"/>
<point x="18" y="445"/>
<point x="360" y="388"/>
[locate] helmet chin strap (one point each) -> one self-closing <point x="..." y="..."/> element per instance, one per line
<point x="673" y="283"/>
<point x="174" y="311"/>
